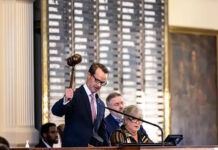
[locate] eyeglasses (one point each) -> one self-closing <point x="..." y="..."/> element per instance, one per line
<point x="102" y="83"/>
<point x="134" y="120"/>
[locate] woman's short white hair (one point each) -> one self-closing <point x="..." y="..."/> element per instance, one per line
<point x="132" y="110"/>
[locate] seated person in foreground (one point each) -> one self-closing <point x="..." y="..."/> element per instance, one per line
<point x="129" y="132"/>
<point x="60" y="129"/>
<point x="4" y="147"/>
<point x="49" y="135"/>
<point x="4" y="144"/>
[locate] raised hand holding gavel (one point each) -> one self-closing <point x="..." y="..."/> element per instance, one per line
<point x="72" y="61"/>
<point x="69" y="94"/>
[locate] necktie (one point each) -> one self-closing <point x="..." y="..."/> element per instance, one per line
<point x="93" y="107"/>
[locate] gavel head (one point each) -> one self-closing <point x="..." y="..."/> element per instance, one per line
<point x="73" y="60"/>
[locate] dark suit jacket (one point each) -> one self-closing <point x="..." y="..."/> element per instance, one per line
<point x="79" y="128"/>
<point x="112" y="125"/>
<point x="41" y="144"/>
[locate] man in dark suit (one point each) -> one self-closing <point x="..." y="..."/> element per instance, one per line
<point x="49" y="136"/>
<point x="84" y="111"/>
<point x="114" y="120"/>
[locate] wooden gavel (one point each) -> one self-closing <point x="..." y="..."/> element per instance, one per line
<point x="73" y="61"/>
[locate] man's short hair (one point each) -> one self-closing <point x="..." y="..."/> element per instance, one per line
<point x="95" y="66"/>
<point x="111" y="96"/>
<point x="45" y="127"/>
<point x="4" y="141"/>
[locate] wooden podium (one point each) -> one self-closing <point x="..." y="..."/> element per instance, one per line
<point x="212" y="147"/>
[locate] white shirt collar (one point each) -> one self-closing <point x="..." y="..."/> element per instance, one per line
<point x="46" y="144"/>
<point x="115" y="117"/>
<point x="88" y="92"/>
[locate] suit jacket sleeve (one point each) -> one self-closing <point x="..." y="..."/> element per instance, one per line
<point x="59" y="109"/>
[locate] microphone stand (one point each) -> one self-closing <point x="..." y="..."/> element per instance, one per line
<point x="162" y="141"/>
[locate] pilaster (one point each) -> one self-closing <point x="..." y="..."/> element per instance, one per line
<point x="17" y="76"/>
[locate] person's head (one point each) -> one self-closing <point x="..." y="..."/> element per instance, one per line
<point x="4" y="141"/>
<point x="115" y="101"/>
<point x="4" y="147"/>
<point x="96" y="77"/>
<point x="132" y="125"/>
<point x="49" y="133"/>
<point x="61" y="130"/>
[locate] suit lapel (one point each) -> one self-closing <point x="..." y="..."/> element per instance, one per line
<point x="98" y="108"/>
<point x="99" y="113"/>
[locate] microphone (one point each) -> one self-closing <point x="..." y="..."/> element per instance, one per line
<point x="162" y="141"/>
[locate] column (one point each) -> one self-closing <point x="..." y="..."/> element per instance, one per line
<point x="17" y="76"/>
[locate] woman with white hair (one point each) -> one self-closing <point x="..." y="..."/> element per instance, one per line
<point x="129" y="132"/>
